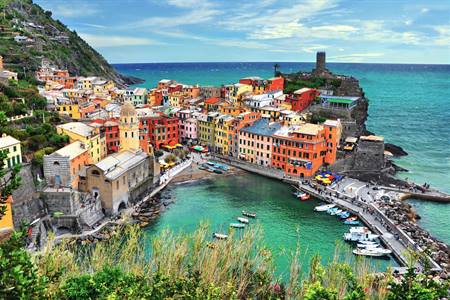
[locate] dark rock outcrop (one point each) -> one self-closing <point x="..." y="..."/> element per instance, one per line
<point x="395" y="150"/>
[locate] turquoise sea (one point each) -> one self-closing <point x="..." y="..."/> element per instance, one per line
<point x="409" y="106"/>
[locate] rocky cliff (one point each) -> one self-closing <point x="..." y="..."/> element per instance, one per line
<point x="28" y="34"/>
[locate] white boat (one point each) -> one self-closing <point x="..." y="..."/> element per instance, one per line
<point x="336" y="212"/>
<point x="243" y="220"/>
<point x="367" y="243"/>
<point x="368" y="246"/>
<point x="237" y="225"/>
<point x="249" y="214"/>
<point x="324" y="207"/>
<point x="220" y="236"/>
<point x="377" y="252"/>
<point x="359" y="234"/>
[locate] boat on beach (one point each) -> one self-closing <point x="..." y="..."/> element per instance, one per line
<point x="220" y="236"/>
<point x="242" y="220"/>
<point x="375" y="252"/>
<point x="237" y="225"/>
<point x="249" y="214"/>
<point x="324" y="207"/>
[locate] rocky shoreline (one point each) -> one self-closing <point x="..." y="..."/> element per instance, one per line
<point x="403" y="216"/>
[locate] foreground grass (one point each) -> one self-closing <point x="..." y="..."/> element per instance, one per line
<point x="192" y="266"/>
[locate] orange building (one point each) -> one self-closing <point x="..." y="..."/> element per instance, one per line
<point x="62" y="167"/>
<point x="300" y="150"/>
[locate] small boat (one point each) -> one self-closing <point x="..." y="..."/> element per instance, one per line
<point x="243" y="220"/>
<point x="360" y="236"/>
<point x="211" y="163"/>
<point x="367" y="243"/>
<point x="368" y="246"/>
<point x="355" y="222"/>
<point x="344" y="215"/>
<point x="220" y="236"/>
<point x="352" y="218"/>
<point x="332" y="210"/>
<point x="376" y="252"/>
<point x="237" y="225"/>
<point x="324" y="207"/>
<point x="305" y="197"/>
<point x="249" y="214"/>
<point x="335" y="212"/>
<point x="217" y="171"/>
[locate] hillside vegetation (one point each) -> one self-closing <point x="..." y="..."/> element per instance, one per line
<point x="47" y="38"/>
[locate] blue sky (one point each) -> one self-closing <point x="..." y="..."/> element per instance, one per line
<point x="397" y="31"/>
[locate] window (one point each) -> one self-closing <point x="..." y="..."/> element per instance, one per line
<point x="95" y="173"/>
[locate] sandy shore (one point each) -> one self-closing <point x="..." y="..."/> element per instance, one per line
<point x="193" y="173"/>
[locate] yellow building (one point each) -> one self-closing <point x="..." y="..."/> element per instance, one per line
<point x="88" y="135"/>
<point x="14" y="152"/>
<point x="176" y="99"/>
<point x="6" y="222"/>
<point x="223" y="132"/>
<point x="101" y="86"/>
<point x="206" y="127"/>
<point x="129" y="128"/>
<point x="70" y="109"/>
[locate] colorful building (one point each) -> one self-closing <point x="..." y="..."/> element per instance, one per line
<point x="129" y="128"/>
<point x="69" y="108"/>
<point x="301" y="99"/>
<point x="255" y="142"/>
<point x="89" y="136"/>
<point x="206" y="127"/>
<point x="223" y="134"/>
<point x="161" y="129"/>
<point x="13" y="150"/>
<point x="62" y="167"/>
<point x="187" y="126"/>
<point x="300" y="150"/>
<point x="275" y="84"/>
<point x="6" y="221"/>
<point x="176" y="99"/>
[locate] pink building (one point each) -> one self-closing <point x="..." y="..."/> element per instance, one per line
<point x="255" y="142"/>
<point x="187" y="126"/>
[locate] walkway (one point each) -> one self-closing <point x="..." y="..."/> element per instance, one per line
<point x="392" y="236"/>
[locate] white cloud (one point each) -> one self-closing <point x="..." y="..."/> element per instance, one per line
<point x="356" y="57"/>
<point x="443" y="38"/>
<point x="424" y="10"/>
<point x="72" y="10"/>
<point x="103" y="41"/>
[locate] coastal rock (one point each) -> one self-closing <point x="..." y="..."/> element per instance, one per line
<point x="397" y="151"/>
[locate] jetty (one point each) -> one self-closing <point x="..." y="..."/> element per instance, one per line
<point x="390" y="234"/>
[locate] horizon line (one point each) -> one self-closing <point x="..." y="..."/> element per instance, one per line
<point x="299" y="62"/>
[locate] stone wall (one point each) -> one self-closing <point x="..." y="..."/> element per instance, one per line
<point x="57" y="165"/>
<point x="369" y="156"/>
<point x="26" y="206"/>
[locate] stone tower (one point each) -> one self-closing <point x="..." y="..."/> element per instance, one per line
<point x="129" y="128"/>
<point x="320" y="61"/>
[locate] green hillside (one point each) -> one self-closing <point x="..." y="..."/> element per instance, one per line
<point x="44" y="37"/>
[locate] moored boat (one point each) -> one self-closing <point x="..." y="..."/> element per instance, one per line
<point x="335" y="212"/>
<point x="249" y="214"/>
<point x="344" y="214"/>
<point x="217" y="171"/>
<point x="355" y="222"/>
<point x="358" y="234"/>
<point x="368" y="246"/>
<point x="220" y="236"/>
<point x="237" y="225"/>
<point x="243" y="220"/>
<point x="324" y="207"/>
<point x="305" y="197"/>
<point x="353" y="218"/>
<point x="376" y="252"/>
